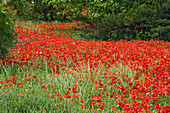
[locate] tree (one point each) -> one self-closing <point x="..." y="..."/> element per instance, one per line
<point x="22" y="7"/>
<point x="109" y="19"/>
<point x="126" y="19"/>
<point x="7" y="32"/>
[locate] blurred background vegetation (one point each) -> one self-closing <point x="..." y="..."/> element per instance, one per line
<point x="106" y="19"/>
<point x="103" y="19"/>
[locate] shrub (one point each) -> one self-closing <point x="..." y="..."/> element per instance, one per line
<point x="23" y="8"/>
<point x="7" y="32"/>
<point x="36" y="10"/>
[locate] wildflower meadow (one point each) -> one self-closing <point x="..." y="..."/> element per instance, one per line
<point x="51" y="70"/>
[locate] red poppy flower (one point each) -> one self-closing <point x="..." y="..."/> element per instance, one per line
<point x="21" y="94"/>
<point x="82" y="101"/>
<point x="74" y="90"/>
<point x="111" y="96"/>
<point x="67" y="96"/>
<point x="101" y="107"/>
<point x="113" y="108"/>
<point x="5" y="3"/>
<point x="40" y="82"/>
<point x="75" y="85"/>
<point x="157" y="105"/>
<point x="38" y="106"/>
<point x="34" y="76"/>
<point x="103" y="104"/>
<point x="60" y="97"/>
<point x="27" y="79"/>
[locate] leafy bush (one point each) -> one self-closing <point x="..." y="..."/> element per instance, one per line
<point x="94" y="9"/>
<point x="7" y="32"/>
<point x="36" y="10"/>
<point x="46" y="12"/>
<point x="23" y="8"/>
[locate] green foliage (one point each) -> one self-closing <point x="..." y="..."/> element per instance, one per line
<point x="7" y="32"/>
<point x="30" y="9"/>
<point x="140" y="20"/>
<point x="165" y="99"/>
<point x="94" y="12"/>
<point x="106" y="19"/>
<point x="94" y="8"/>
<point x="126" y="19"/>
<point x="22" y="7"/>
<point x="44" y="11"/>
<point x="64" y="10"/>
<point x="40" y="10"/>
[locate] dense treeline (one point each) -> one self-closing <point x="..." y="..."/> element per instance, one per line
<point x="105" y="19"/>
<point x="108" y="19"/>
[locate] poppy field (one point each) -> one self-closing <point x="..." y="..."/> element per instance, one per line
<point x="51" y="71"/>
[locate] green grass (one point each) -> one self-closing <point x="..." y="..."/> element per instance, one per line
<point x="34" y="95"/>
